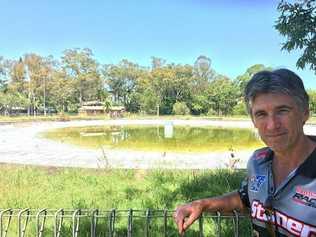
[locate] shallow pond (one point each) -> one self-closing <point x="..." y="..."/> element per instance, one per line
<point x="158" y="138"/>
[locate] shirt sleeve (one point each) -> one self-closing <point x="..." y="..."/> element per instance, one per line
<point x="243" y="192"/>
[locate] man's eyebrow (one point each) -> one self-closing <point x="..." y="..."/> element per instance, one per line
<point x="284" y="107"/>
<point x="277" y="108"/>
<point x="259" y="111"/>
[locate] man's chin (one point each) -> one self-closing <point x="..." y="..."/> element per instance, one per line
<point x="277" y="146"/>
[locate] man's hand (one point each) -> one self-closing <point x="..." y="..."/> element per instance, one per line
<point x="186" y="214"/>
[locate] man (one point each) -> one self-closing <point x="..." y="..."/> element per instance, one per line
<point x="280" y="188"/>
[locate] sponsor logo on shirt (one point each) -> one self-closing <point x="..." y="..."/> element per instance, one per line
<point x="305" y="197"/>
<point x="261" y="154"/>
<point x="256" y="182"/>
<point x="279" y="219"/>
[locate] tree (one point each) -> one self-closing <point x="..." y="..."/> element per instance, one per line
<point x="180" y="108"/>
<point x="202" y="68"/>
<point x="39" y="70"/>
<point x="9" y="100"/>
<point x="122" y="80"/>
<point x="4" y="74"/>
<point x="297" y="22"/>
<point x="312" y="101"/>
<point x="84" y="69"/>
<point x="157" y="62"/>
<point x="17" y="77"/>
<point x="63" y="91"/>
<point x="203" y="74"/>
<point x="243" y="79"/>
<point x="170" y="84"/>
<point x="223" y="95"/>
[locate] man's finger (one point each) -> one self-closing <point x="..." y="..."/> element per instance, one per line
<point x="189" y="221"/>
<point x="179" y="220"/>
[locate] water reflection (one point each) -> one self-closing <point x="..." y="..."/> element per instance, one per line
<point x="168" y="129"/>
<point x="159" y="138"/>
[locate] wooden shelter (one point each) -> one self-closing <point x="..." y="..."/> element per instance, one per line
<point x="98" y="108"/>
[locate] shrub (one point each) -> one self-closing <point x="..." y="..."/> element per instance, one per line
<point x="180" y="108"/>
<point x="211" y="112"/>
<point x="240" y="109"/>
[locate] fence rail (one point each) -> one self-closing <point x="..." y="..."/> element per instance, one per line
<point x="114" y="223"/>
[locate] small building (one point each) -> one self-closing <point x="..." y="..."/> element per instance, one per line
<point x="116" y="111"/>
<point x="92" y="108"/>
<point x="99" y="108"/>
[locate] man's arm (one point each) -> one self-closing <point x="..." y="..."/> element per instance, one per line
<point x="186" y="214"/>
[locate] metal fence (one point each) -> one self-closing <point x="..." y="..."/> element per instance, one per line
<point x="114" y="223"/>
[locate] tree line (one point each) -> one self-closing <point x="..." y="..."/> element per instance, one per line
<point x="44" y="84"/>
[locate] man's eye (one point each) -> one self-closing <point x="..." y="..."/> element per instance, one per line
<point x="260" y="115"/>
<point x="283" y="111"/>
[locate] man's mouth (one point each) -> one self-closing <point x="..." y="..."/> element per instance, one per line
<point x="276" y="135"/>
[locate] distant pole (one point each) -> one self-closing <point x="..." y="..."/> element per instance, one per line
<point x="44" y="97"/>
<point x="27" y="78"/>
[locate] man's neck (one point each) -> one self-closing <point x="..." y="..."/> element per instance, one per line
<point x="285" y="162"/>
<point x="294" y="156"/>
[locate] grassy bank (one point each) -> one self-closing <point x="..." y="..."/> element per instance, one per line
<point x="70" y="117"/>
<point x="64" y="117"/>
<point x="32" y="187"/>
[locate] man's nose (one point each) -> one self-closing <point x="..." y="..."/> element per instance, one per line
<point x="273" y="122"/>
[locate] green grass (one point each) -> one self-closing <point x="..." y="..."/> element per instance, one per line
<point x="23" y="186"/>
<point x="32" y="187"/>
<point x="68" y="117"/>
<point x="64" y="117"/>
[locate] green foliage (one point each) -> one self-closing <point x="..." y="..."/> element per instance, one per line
<point x="63" y="85"/>
<point x="312" y="101"/>
<point x="240" y="109"/>
<point x="80" y="66"/>
<point x="223" y="95"/>
<point x="297" y="23"/>
<point x="54" y="188"/>
<point x="122" y="80"/>
<point x="180" y="108"/>
<point x="110" y="188"/>
<point x="243" y="79"/>
<point x="200" y="104"/>
<point x="148" y="101"/>
<point x="11" y="100"/>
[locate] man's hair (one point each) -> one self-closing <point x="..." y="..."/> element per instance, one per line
<point x="278" y="81"/>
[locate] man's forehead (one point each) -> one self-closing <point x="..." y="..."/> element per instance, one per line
<point x="275" y="100"/>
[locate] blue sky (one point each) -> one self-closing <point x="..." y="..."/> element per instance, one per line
<point x="235" y="34"/>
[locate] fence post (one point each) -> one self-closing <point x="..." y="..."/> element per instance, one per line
<point x="58" y="222"/>
<point x="219" y="229"/>
<point x="76" y="222"/>
<point x="94" y="222"/>
<point x="236" y="223"/>
<point x="21" y="227"/>
<point x="130" y="223"/>
<point x="165" y="216"/>
<point x="40" y="227"/>
<point x="201" y="226"/>
<point x="147" y="222"/>
<point x="2" y="213"/>
<point x="112" y="222"/>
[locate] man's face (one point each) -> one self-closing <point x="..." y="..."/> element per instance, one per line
<point x="279" y="120"/>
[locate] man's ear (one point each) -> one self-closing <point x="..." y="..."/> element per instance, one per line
<point x="306" y="115"/>
<point x="253" y="121"/>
